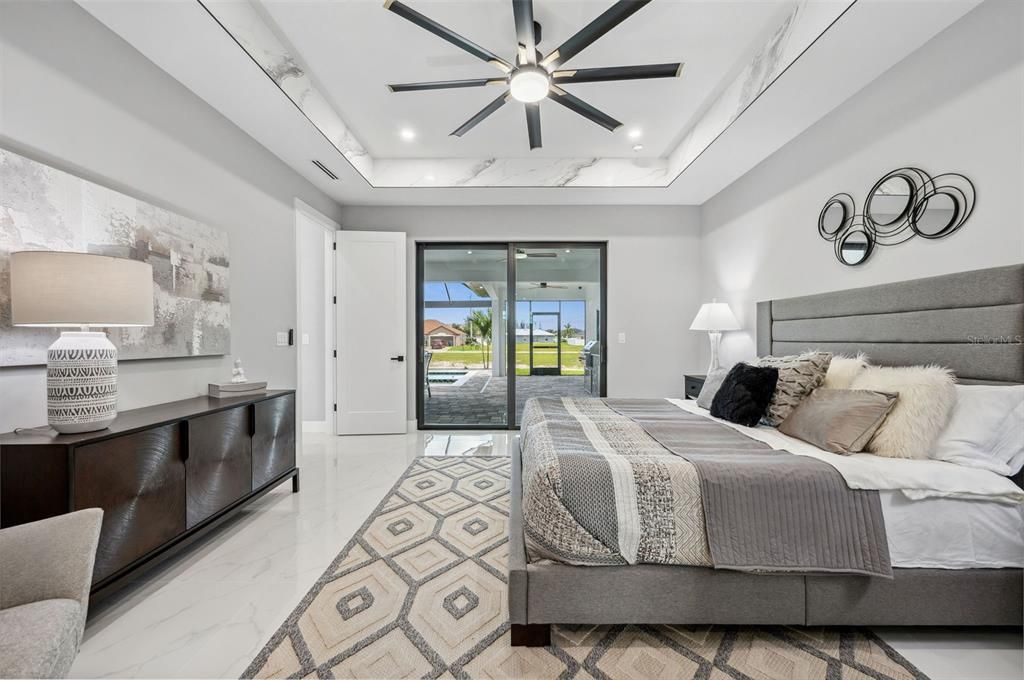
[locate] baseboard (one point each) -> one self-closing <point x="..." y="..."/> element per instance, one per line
<point x="315" y="426"/>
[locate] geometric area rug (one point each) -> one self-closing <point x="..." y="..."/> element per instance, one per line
<point x="420" y="592"/>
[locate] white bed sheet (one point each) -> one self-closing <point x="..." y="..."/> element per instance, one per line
<point x="916" y="479"/>
<point x="968" y="522"/>
<point x="952" y="533"/>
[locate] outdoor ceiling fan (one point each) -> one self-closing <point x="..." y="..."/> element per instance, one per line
<point x="532" y="76"/>
<point x="523" y="255"/>
<point x="545" y="285"/>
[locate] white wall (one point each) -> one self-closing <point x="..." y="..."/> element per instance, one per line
<point x="652" y="274"/>
<point x="953" y="106"/>
<point x="75" y="96"/>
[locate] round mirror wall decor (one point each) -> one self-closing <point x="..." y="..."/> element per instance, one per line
<point x="837" y="212"/>
<point x="904" y="203"/>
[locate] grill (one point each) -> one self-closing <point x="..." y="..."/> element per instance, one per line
<point x="591" y="358"/>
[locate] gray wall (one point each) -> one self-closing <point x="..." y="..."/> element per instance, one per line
<point x="653" y="260"/>
<point x="312" y="251"/>
<point x="955" y="105"/>
<point x="77" y="97"/>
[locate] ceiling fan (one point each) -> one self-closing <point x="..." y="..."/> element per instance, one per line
<point x="544" y="285"/>
<point x="523" y="255"/>
<point x="532" y="76"/>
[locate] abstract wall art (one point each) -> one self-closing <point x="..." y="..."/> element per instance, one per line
<point x="42" y="208"/>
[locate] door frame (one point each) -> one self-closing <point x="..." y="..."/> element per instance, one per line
<point x="558" y="341"/>
<point x="330" y="228"/>
<point x="510" y="311"/>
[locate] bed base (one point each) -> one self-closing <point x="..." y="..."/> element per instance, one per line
<point x="545" y="594"/>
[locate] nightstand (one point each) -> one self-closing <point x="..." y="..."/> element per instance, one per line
<point x="693" y="385"/>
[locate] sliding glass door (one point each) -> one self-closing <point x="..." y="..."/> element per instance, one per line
<point x="463" y="292"/>
<point x="484" y="351"/>
<point x="559" y="299"/>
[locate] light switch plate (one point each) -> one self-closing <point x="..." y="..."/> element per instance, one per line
<point x="622" y="338"/>
<point x="305" y="338"/>
<point x="282" y="339"/>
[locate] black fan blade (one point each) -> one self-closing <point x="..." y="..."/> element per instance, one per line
<point x="483" y="113"/>
<point x="584" y="109"/>
<point x="451" y="36"/>
<point x="522" y="10"/>
<point x="596" y="75"/>
<point x="612" y="17"/>
<point x="445" y="84"/>
<point x="533" y="124"/>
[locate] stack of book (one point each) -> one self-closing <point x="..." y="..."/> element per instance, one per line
<point x="230" y="389"/>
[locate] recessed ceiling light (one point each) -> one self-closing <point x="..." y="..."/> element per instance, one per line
<point x="428" y="178"/>
<point x="567" y="250"/>
<point x="469" y="252"/>
<point x="638" y="147"/>
<point x="408" y="134"/>
<point x="635" y="133"/>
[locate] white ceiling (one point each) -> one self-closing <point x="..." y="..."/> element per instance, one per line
<point x="180" y="37"/>
<point x="353" y="49"/>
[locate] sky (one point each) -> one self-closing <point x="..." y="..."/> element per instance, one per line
<point x="573" y="311"/>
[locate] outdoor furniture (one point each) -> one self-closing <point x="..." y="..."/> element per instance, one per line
<point x="426" y="370"/>
<point x="45" y="576"/>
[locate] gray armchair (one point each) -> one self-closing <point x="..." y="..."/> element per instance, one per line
<point x="45" y="576"/>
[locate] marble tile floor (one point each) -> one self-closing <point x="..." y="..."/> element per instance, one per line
<point x="207" y="612"/>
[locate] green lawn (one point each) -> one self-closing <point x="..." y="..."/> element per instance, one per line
<point x="545" y="354"/>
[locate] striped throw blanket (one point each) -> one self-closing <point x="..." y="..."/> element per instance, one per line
<point x="641" y="481"/>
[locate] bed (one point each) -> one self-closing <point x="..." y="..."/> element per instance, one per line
<point x="971" y="322"/>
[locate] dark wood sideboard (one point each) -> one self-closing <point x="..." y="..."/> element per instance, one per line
<point x="163" y="475"/>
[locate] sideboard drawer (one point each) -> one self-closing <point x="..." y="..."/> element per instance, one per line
<point x="273" y="439"/>
<point x="219" y="466"/>
<point x="138" y="480"/>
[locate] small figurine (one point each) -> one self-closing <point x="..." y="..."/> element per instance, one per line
<point x="237" y="373"/>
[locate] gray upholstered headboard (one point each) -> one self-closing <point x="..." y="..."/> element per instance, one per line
<point x="971" y="322"/>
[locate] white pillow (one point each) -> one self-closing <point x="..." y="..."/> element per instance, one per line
<point x="843" y="370"/>
<point x="921" y="413"/>
<point x="986" y="430"/>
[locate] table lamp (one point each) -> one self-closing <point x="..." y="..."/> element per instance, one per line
<point x="714" y="317"/>
<point x="68" y="290"/>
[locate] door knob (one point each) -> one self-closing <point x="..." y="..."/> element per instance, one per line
<point x="398" y="358"/>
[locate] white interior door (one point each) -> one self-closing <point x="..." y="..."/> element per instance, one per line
<point x="371" y="332"/>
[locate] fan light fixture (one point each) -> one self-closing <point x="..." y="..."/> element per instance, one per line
<point x="531" y="76"/>
<point x="530" y="85"/>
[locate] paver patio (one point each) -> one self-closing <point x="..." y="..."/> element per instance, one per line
<point x="481" y="399"/>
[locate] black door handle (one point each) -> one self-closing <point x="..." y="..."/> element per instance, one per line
<point x="398" y="358"/>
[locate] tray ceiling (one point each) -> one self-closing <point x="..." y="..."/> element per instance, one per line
<point x="307" y="80"/>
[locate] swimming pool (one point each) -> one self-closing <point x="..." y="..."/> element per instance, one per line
<point x="446" y="377"/>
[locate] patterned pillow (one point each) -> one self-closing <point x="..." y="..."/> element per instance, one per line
<point x="799" y="375"/>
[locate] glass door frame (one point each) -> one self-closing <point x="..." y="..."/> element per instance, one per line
<point x="511" y="282"/>
<point x="558" y="341"/>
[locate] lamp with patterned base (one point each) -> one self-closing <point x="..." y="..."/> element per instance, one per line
<point x="62" y="290"/>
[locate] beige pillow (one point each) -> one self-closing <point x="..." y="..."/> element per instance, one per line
<point x="926" y="399"/>
<point x="799" y="375"/>
<point x="840" y="421"/>
<point x="843" y="369"/>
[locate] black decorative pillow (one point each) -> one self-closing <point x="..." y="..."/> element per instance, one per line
<point x="745" y="394"/>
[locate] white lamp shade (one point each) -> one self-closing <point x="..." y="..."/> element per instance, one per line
<point x="715" y="316"/>
<point x="61" y="289"/>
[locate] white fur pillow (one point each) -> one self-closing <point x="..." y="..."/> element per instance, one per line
<point x="843" y="370"/>
<point x="921" y="413"/>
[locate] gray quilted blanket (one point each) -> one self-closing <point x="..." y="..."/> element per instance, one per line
<point x="624" y="481"/>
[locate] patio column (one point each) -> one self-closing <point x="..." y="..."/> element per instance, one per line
<point x="497" y="294"/>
